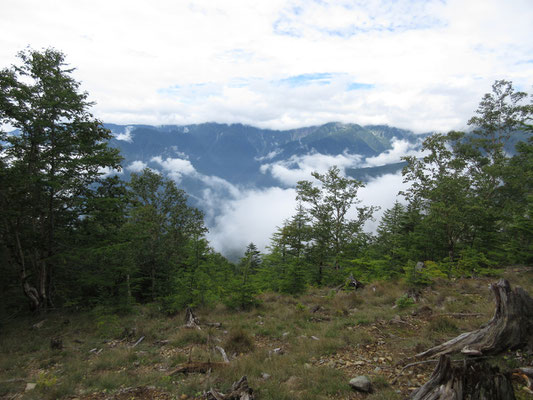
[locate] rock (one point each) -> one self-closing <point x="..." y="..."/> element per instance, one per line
<point x="307" y="366"/>
<point x="361" y="383"/>
<point x="419" y="266"/>
<point x="265" y="376"/>
<point x="285" y="334"/>
<point x="30" y="386"/>
<point x="359" y="363"/>
<point x="377" y="370"/>
<point x="314" y="338"/>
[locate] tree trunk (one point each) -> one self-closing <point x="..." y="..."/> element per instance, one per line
<point x="31" y="292"/>
<point x="510" y="328"/>
<point x="472" y="380"/>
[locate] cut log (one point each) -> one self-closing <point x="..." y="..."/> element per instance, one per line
<point x="510" y="328"/>
<point x="239" y="391"/>
<point x="190" y="319"/>
<point x="472" y="380"/>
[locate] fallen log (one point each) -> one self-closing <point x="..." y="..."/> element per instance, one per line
<point x="472" y="380"/>
<point x="510" y="328"/>
<point x="239" y="391"/>
<point x="197" y="367"/>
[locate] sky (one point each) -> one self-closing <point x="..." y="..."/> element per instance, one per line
<point x="280" y="64"/>
<point x="419" y="65"/>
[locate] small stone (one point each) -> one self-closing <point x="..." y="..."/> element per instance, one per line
<point x="359" y="363"/>
<point x="307" y="366"/>
<point x="285" y="334"/>
<point x="184" y="397"/>
<point x="377" y="370"/>
<point x="361" y="383"/>
<point x="30" y="386"/>
<point x="314" y="338"/>
<point x="265" y="376"/>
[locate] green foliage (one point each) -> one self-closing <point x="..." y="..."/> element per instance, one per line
<point x="473" y="264"/>
<point x="404" y="302"/>
<point x="331" y="229"/>
<point x="46" y="380"/>
<point x="49" y="168"/>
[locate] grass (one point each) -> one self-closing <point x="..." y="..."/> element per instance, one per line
<point x="351" y="333"/>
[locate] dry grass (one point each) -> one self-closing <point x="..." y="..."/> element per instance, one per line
<point x="351" y="333"/>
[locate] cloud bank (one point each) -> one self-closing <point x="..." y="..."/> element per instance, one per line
<point x="421" y="65"/>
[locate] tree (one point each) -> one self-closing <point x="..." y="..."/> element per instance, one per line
<point x="49" y="164"/>
<point x="242" y="290"/>
<point x="329" y="204"/>
<point x="162" y="228"/>
<point x="391" y="232"/>
<point x="440" y="186"/>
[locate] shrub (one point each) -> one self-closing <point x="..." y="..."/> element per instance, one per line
<point x="404" y="302"/>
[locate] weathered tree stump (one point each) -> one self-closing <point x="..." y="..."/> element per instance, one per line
<point x="239" y="391"/>
<point x="355" y="283"/>
<point x="472" y="380"/>
<point x="510" y="328"/>
<point x="190" y="319"/>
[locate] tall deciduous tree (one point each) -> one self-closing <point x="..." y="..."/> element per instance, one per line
<point x="49" y="163"/>
<point x="328" y="206"/>
<point x="163" y="226"/>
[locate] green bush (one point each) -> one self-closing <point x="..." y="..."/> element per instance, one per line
<point x="404" y="302"/>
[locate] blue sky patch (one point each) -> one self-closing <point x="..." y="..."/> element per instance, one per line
<point x="320" y="78"/>
<point x="359" y="86"/>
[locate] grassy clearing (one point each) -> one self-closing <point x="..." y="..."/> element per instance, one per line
<point x="323" y="338"/>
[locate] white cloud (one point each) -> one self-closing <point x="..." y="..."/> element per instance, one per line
<point x="400" y="148"/>
<point x="126" y="135"/>
<point x="298" y="168"/>
<point x="136" y="166"/>
<point x="382" y="192"/>
<point x="252" y="217"/>
<point x="107" y="171"/>
<point x="175" y="167"/>
<point x="429" y="62"/>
